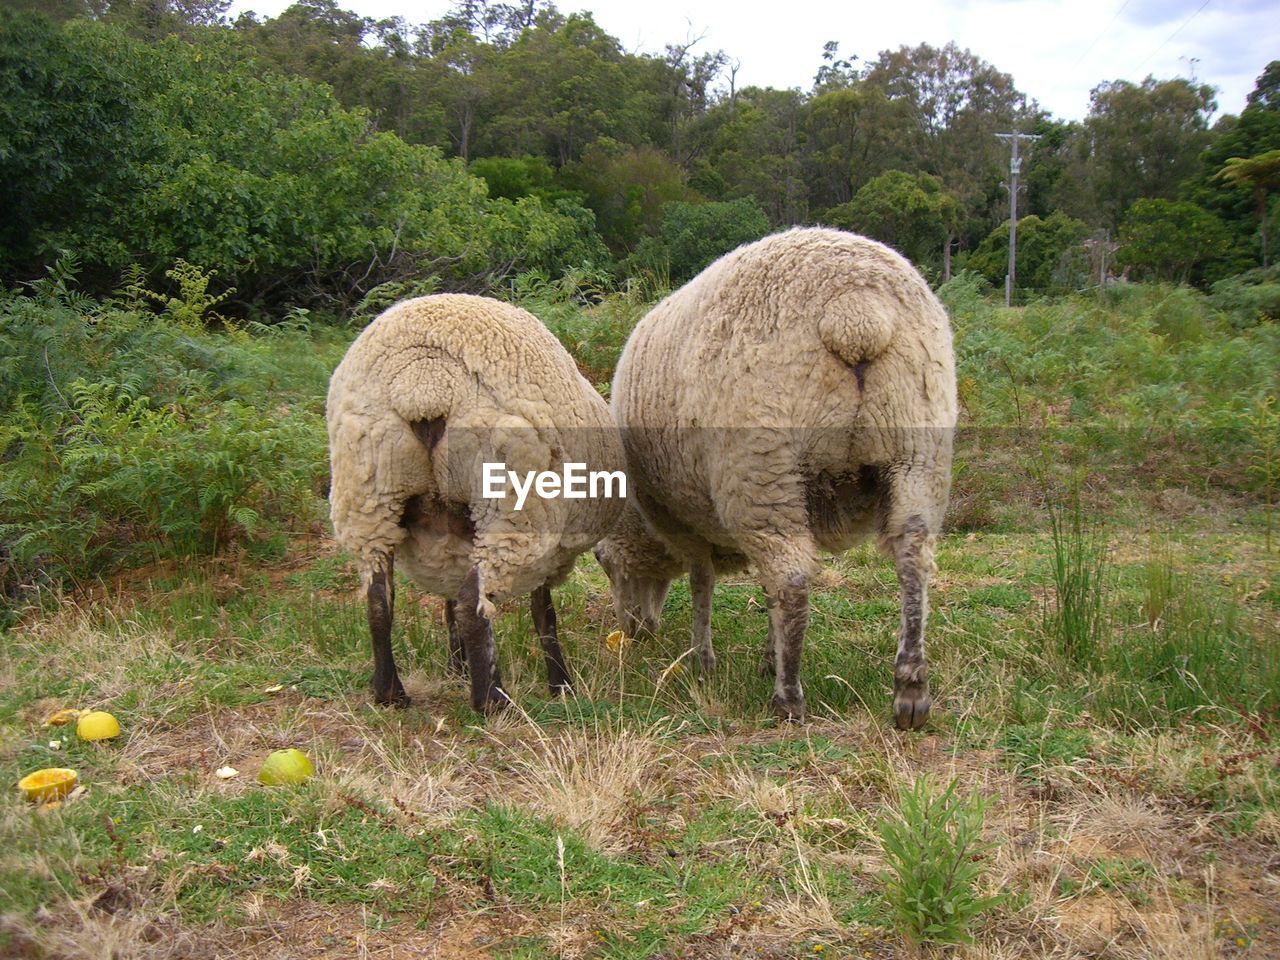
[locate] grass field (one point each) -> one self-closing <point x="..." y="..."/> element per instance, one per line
<point x="1105" y="641"/>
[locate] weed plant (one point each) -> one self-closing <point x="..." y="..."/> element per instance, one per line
<point x="934" y="849"/>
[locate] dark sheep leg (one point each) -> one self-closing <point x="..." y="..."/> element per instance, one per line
<point x="769" y="662"/>
<point x="544" y="621"/>
<point x="387" y="688"/>
<point x="457" y="652"/>
<point x="487" y="695"/>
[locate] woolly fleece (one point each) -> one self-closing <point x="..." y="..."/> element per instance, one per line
<point x="508" y="392"/>
<point x="805" y="355"/>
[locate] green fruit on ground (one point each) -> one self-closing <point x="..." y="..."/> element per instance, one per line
<point x="285" y="767"/>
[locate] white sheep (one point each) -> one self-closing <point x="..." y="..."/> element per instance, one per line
<point x="430" y="391"/>
<point x="799" y="394"/>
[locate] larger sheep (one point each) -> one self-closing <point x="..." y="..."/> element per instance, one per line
<point x="798" y="395"/>
<point x="431" y="390"/>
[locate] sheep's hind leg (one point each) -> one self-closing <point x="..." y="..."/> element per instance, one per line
<point x="476" y="630"/>
<point x="457" y="665"/>
<point x="387" y="688"/>
<point x="544" y="621"/>
<point x="913" y="557"/>
<point x="769" y="662"/>
<point x="788" y="620"/>
<point x="702" y="582"/>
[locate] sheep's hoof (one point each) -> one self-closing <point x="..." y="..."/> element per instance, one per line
<point x="395" y="697"/>
<point x="911" y="706"/>
<point x="561" y="690"/>
<point x="787" y="709"/>
<point x="496" y="700"/>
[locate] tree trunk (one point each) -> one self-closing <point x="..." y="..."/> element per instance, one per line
<point x="1262" y="216"/>
<point x="464" y="137"/>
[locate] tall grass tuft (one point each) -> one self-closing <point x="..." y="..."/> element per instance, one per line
<point x="1263" y="426"/>
<point x="1077" y="622"/>
<point x="1194" y="658"/>
<point x="1157" y="582"/>
<point x="934" y="849"/>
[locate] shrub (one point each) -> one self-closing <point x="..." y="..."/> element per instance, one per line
<point x="128" y="435"/>
<point x="1166" y="240"/>
<point x="907" y="211"/>
<point x="693" y="235"/>
<point x="934" y="848"/>
<point x="132" y="152"/>
<point x="1249" y="298"/>
<point x="1043" y="246"/>
<point x="1183" y="316"/>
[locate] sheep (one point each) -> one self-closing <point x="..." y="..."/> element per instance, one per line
<point x="799" y="394"/>
<point x="432" y="389"/>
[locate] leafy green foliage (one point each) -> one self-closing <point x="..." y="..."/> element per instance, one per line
<point x="1044" y="246"/>
<point x="692" y="235"/>
<point x="755" y="150"/>
<point x="189" y="151"/>
<point x="129" y="435"/>
<point x="910" y="213"/>
<point x="947" y="105"/>
<point x="1255" y="132"/>
<point x="514" y="177"/>
<point x="1249" y="298"/>
<point x="1261" y="175"/>
<point x="627" y="189"/>
<point x="934" y="848"/>
<point x="1166" y="240"/>
<point x="1139" y="140"/>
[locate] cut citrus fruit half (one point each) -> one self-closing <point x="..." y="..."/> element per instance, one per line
<point x="61" y="717"/>
<point x="47" y="785"/>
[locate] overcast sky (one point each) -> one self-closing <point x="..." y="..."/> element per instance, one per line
<point x="1056" y="51"/>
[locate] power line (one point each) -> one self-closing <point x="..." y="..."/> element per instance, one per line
<point x="1175" y="33"/>
<point x="1114" y="18"/>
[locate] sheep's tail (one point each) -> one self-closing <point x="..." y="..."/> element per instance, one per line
<point x="858" y="326"/>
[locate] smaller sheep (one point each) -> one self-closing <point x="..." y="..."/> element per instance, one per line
<point x="433" y="389"/>
<point x="797" y="396"/>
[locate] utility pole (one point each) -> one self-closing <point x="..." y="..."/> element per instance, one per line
<point x="1015" y="168"/>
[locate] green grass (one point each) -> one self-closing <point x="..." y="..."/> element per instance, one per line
<point x="775" y="816"/>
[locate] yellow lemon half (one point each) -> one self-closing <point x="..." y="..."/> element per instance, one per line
<point x="284" y="767"/>
<point x="49" y="784"/>
<point x="97" y="725"/>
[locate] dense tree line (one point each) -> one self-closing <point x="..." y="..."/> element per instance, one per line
<point x="314" y="155"/>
